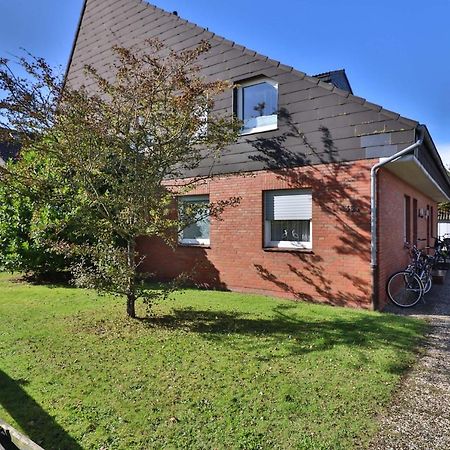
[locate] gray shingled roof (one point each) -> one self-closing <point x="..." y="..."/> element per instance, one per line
<point x="245" y="50"/>
<point x="8" y="151"/>
<point x="359" y="129"/>
<point x="337" y="78"/>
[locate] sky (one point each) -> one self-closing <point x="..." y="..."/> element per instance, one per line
<point x="396" y="53"/>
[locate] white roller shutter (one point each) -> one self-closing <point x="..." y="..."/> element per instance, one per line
<point x="293" y="204"/>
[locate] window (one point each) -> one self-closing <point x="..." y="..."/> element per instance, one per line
<point x="407" y="235"/>
<point x="202" y="132"/>
<point x="193" y="210"/>
<point x="288" y="216"/>
<point x="257" y="105"/>
<point x="200" y="113"/>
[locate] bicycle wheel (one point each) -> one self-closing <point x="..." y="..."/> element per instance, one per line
<point x="404" y="289"/>
<point x="427" y="284"/>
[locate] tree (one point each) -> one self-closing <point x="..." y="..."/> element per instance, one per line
<point x="24" y="233"/>
<point x="29" y="222"/>
<point x="112" y="154"/>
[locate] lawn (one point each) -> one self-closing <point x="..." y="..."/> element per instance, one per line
<point x="208" y="370"/>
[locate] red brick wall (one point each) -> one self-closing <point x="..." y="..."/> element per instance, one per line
<point x="393" y="256"/>
<point x="337" y="270"/>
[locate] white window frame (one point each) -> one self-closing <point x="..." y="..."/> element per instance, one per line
<point x="193" y="242"/>
<point x="239" y="100"/>
<point x="202" y="132"/>
<point x="292" y="245"/>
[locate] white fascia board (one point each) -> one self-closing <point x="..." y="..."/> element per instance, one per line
<point x="424" y="182"/>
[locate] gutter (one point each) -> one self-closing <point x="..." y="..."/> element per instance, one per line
<point x="374" y="210"/>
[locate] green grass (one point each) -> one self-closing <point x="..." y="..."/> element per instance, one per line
<point x="210" y="370"/>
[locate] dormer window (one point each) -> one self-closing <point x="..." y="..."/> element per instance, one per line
<point x="257" y="105"/>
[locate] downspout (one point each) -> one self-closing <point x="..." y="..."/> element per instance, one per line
<point x="374" y="210"/>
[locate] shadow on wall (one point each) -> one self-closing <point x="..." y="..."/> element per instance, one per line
<point x="335" y="191"/>
<point x="311" y="272"/>
<point x="189" y="265"/>
<point x="335" y="185"/>
<point x="36" y="423"/>
<point x="199" y="271"/>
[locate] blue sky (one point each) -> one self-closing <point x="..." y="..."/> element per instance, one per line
<point x="396" y="53"/>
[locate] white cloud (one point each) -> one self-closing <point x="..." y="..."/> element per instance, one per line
<point x="444" y="151"/>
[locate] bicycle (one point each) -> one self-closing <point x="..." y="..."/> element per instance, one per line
<point x="441" y="251"/>
<point x="407" y="287"/>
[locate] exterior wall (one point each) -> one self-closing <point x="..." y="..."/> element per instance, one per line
<point x="336" y="271"/>
<point x="393" y="255"/>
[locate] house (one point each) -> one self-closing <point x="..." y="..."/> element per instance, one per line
<point x="443" y="223"/>
<point x="7" y="151"/>
<point x="331" y="185"/>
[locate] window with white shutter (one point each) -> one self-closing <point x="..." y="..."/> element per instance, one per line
<point x="288" y="215"/>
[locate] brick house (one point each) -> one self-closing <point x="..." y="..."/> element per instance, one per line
<point x="7" y="152"/>
<point x="7" y="149"/>
<point x="310" y="154"/>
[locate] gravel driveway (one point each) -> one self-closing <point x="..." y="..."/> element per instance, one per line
<point x="419" y="417"/>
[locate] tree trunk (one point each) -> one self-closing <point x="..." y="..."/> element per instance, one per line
<point x="131" y="292"/>
<point x="131" y="306"/>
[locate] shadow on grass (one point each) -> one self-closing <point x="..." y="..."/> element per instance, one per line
<point x="303" y="335"/>
<point x="37" y="424"/>
<point x="48" y="283"/>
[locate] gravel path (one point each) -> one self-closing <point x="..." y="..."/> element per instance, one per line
<point x="419" y="417"/>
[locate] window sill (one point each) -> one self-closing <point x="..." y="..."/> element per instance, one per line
<point x="259" y="130"/>
<point x="288" y="250"/>
<point x="180" y="244"/>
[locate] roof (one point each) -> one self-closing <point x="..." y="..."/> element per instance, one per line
<point x="302" y="75"/>
<point x="9" y="145"/>
<point x="337" y="78"/>
<point x="8" y="151"/>
<point x="356" y="128"/>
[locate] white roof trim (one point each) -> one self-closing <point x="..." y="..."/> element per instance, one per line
<point x="397" y="167"/>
